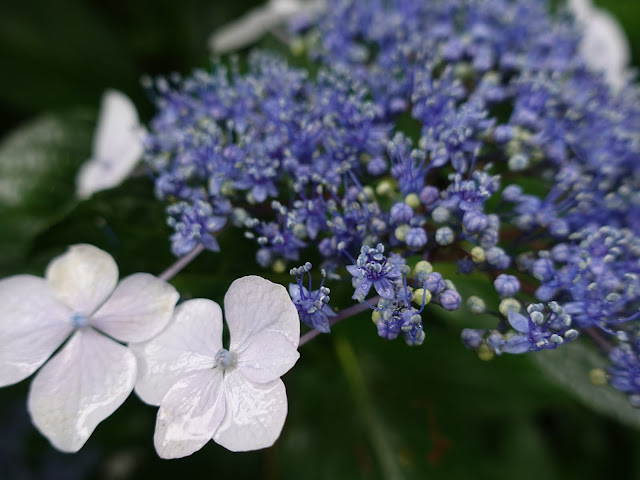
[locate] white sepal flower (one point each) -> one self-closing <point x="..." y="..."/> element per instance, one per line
<point x="117" y="145"/>
<point x="92" y="374"/>
<point x="205" y="391"/>
<point x="604" y="44"/>
<point x="254" y="24"/>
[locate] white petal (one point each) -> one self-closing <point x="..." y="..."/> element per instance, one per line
<point x="254" y="306"/>
<point x="188" y="344"/>
<point x="33" y="324"/>
<point x="288" y="7"/>
<point x="102" y="174"/>
<point x="117" y="145"/>
<point x="254" y="24"/>
<point x="581" y="8"/>
<point x="83" y="278"/>
<point x="118" y="118"/>
<point x="604" y="44"/>
<point x="189" y="414"/>
<point x="255" y="413"/>
<point x="268" y="357"/>
<point x="247" y="29"/>
<point x="140" y="308"/>
<point x="79" y="387"/>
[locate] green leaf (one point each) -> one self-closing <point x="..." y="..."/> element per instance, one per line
<point x="378" y="436"/>
<point x="38" y="164"/>
<point x="364" y="407"/>
<point x="569" y="366"/>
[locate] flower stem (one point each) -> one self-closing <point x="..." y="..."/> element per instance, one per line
<point x="342" y="314"/>
<point x="599" y="339"/>
<point x="179" y="264"/>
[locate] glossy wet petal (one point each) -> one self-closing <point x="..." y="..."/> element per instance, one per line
<point x="267" y="358"/>
<point x="79" y="387"/>
<point x="253" y="306"/>
<point x="189" y="414"/>
<point x="140" y="308"/>
<point x="384" y="288"/>
<point x="362" y="290"/>
<point x="188" y="344"/>
<point x="255" y="413"/>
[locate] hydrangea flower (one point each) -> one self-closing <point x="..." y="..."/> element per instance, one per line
<point x="536" y="331"/>
<point x="117" y="145"/>
<point x="312" y="305"/>
<point x="372" y="268"/>
<point x="79" y="303"/>
<point x="233" y="396"/>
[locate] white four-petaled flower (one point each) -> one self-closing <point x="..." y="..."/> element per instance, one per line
<point x="205" y="391"/>
<point x="92" y="374"/>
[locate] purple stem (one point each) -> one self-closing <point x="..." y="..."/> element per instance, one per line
<point x="342" y="314"/>
<point x="179" y="264"/>
<point x="599" y="339"/>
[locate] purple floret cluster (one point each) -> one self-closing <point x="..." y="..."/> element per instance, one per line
<point x="422" y="133"/>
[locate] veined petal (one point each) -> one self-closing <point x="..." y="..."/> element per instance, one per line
<point x="188" y="344"/>
<point x="267" y="358"/>
<point x="189" y="414"/>
<point x="33" y="324"/>
<point x="83" y="278"/>
<point x="79" y="387"/>
<point x="253" y="306"/>
<point x="140" y="307"/>
<point x="255" y="413"/>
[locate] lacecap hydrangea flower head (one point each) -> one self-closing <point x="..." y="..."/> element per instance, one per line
<point x="81" y="307"/>
<point x="426" y="135"/>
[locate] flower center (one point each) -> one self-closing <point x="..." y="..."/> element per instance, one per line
<point x="79" y="320"/>
<point x="223" y="358"/>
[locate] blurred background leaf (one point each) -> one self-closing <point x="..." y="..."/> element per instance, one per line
<point x="569" y="367"/>
<point x="38" y="165"/>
